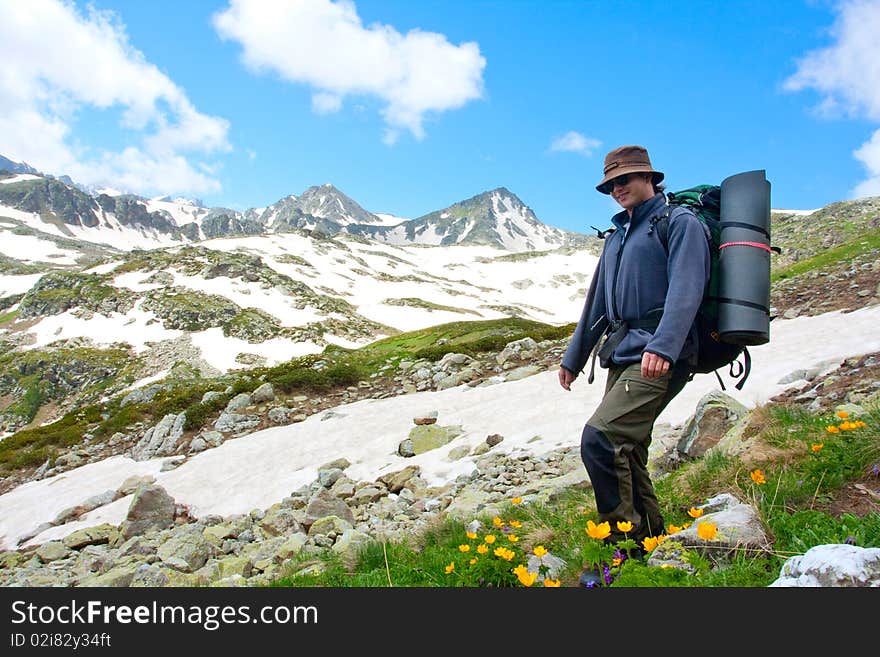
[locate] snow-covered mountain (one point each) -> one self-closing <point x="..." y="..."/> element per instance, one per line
<point x="327" y="202"/>
<point x="182" y="210"/>
<point x="323" y="209"/>
<point x="497" y="218"/>
<point x="16" y="167"/>
<point x="115" y="219"/>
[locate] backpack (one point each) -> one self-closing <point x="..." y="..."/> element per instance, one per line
<point x="714" y="348"/>
<point x="713" y="352"/>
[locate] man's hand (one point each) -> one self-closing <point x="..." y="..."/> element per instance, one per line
<point x="653" y="366"/>
<point x="566" y="378"/>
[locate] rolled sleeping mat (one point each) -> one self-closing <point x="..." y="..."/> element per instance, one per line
<point x="744" y="259"/>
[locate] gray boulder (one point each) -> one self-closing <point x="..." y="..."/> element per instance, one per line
<point x="186" y="551"/>
<point x="715" y="415"/>
<point x="151" y="508"/>
<point x="323" y="504"/>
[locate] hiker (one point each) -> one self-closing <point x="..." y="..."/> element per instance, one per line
<point x="639" y="320"/>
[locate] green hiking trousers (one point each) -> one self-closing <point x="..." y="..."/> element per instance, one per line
<point x="615" y="442"/>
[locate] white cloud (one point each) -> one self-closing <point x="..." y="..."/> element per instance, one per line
<point x="324" y="103"/>
<point x="67" y="61"/>
<point x="574" y="142"/>
<point x="847" y="72"/>
<point x="847" y="76"/>
<point x="325" y="45"/>
<point x="869" y="155"/>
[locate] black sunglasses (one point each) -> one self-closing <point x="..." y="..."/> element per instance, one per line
<point x="620" y="180"/>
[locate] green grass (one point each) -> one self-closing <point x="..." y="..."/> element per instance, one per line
<point x="34" y="446"/>
<point x="469" y="338"/>
<point x="8" y="317"/>
<point x="853" y="248"/>
<point x="29" y="404"/>
<point x="428" y="305"/>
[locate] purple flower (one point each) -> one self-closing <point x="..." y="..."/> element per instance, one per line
<point x="876" y="469"/>
<point x="620" y="554"/>
<point x="850" y="540"/>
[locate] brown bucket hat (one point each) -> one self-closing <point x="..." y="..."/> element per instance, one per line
<point x="627" y="159"/>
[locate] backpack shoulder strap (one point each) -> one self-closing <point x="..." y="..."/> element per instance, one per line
<point x="661" y="223"/>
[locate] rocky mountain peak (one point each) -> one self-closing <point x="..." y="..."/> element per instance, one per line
<point x="16" y="167"/>
<point x="328" y="203"/>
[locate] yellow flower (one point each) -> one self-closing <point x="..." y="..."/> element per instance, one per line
<point x="504" y="553"/>
<point x="842" y="414"/>
<point x="520" y="569"/>
<point x="483" y="548"/>
<point x="450" y="567"/>
<point x="832" y="429"/>
<point x="527" y="578"/>
<point x="600" y="531"/>
<point x="498" y="522"/>
<point x="539" y="551"/>
<point x="674" y="529"/>
<point x="473" y="561"/>
<point x="513" y="538"/>
<point x="817" y="446"/>
<point x="516" y="500"/>
<point x="706" y="531"/>
<point x="624" y="526"/>
<point x="685" y="526"/>
<point x="860" y="424"/>
<point x="846" y="425"/>
<point x="515" y="523"/>
<point x="694" y="512"/>
<point x="616" y="561"/>
<point x="471" y="535"/>
<point x="552" y="583"/>
<point x="649" y="543"/>
<point x="489" y="538"/>
<point x="757" y="476"/>
<point x="464" y="548"/>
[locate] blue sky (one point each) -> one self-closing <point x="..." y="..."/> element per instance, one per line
<point x="408" y="107"/>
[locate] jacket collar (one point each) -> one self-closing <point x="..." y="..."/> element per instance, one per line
<point x="646" y="210"/>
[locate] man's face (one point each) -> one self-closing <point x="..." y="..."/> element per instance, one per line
<point x="637" y="189"/>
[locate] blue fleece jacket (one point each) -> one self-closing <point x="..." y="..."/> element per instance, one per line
<point x="635" y="275"/>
